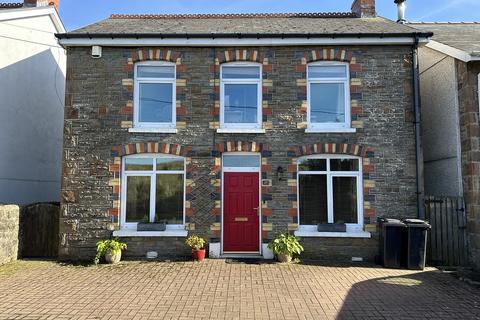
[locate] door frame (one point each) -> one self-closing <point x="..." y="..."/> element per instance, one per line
<point x="259" y="171"/>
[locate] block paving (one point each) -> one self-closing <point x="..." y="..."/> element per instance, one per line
<point x="215" y="289"/>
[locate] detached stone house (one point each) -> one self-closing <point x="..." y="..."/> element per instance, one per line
<point x="237" y="127"/>
<point x="449" y="77"/>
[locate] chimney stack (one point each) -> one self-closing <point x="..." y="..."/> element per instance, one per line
<point x="40" y="3"/>
<point x="401" y="11"/>
<point x="364" y="8"/>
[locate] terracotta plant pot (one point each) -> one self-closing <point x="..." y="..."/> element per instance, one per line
<point x="198" y="255"/>
<point x="113" y="257"/>
<point x="284" y="258"/>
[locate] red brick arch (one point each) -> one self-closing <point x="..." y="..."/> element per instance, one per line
<point x="240" y="55"/>
<point x="155" y="54"/>
<point x="331" y="148"/>
<point x="151" y="147"/>
<point x="328" y="55"/>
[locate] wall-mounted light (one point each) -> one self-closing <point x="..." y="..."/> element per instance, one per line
<point x="280" y="172"/>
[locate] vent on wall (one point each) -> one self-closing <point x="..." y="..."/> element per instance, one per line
<point x="96" y="52"/>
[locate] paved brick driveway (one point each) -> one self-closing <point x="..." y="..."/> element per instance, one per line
<point x="217" y="290"/>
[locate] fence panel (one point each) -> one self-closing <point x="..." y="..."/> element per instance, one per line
<point x="447" y="243"/>
<point x="39" y="225"/>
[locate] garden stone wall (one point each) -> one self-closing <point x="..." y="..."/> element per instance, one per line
<point x="9" y="225"/>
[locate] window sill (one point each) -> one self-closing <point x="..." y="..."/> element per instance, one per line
<point x="240" y="130"/>
<point x="135" y="233"/>
<point x="316" y="234"/>
<point x="152" y="130"/>
<point x="331" y="130"/>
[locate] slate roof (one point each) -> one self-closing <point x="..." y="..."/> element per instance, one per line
<point x="287" y="24"/>
<point x="464" y="36"/>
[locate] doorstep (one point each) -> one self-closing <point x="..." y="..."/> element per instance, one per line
<point x="214" y="252"/>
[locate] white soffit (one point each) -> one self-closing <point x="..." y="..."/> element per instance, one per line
<point x="451" y="51"/>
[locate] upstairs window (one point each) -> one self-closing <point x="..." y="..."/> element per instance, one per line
<point x="241" y="96"/>
<point x="328" y="96"/>
<point x="154" y="95"/>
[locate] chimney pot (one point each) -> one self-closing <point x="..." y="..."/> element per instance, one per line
<point x="401" y="11"/>
<point x="364" y="8"/>
<point x="40" y="3"/>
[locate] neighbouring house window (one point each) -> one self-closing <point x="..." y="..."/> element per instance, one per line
<point x="241" y="96"/>
<point x="330" y="191"/>
<point x="153" y="189"/>
<point x="154" y="95"/>
<point x="328" y="95"/>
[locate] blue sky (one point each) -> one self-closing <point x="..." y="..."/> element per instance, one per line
<point x="77" y="13"/>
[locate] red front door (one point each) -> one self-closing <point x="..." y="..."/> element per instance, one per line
<point x="241" y="212"/>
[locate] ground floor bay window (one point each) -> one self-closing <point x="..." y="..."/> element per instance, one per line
<point x="330" y="192"/>
<point x="153" y="189"/>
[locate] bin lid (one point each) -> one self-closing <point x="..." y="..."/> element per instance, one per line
<point x="392" y="222"/>
<point x="417" y="223"/>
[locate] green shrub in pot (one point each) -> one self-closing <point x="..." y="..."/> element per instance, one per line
<point x="111" y="249"/>
<point x="284" y="246"/>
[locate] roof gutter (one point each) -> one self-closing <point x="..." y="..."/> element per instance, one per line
<point x="239" y="39"/>
<point x="235" y="35"/>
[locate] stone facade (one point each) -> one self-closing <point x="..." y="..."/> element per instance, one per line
<point x="9" y="225"/>
<point x="98" y="114"/>
<point x="467" y="75"/>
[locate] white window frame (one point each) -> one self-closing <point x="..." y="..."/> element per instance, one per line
<point x="351" y="227"/>
<point x="136" y="96"/>
<point x="258" y="82"/>
<point x="330" y="127"/>
<point x="152" y="174"/>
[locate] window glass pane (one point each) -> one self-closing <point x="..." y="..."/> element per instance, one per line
<point x="156" y="102"/>
<point x="327" y="72"/>
<point x="241" y="72"/>
<point x="345" y="200"/>
<point x="241" y="161"/>
<point x="169" y="198"/>
<point x="138" y="199"/>
<point x="313" y="199"/>
<point x="327" y="102"/>
<point x="156" y="72"/>
<point x="241" y="103"/>
<point x="170" y="164"/>
<point x="343" y="164"/>
<point x="313" y="165"/>
<point x="137" y="164"/>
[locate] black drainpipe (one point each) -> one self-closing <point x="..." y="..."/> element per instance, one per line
<point x="418" y="134"/>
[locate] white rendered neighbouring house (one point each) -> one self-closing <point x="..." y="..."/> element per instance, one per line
<point x="32" y="90"/>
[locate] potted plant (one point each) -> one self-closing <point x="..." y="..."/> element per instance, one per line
<point x="198" y="247"/>
<point x="146" y="225"/>
<point x="111" y="249"/>
<point x="284" y="246"/>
